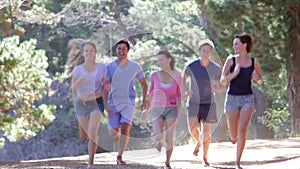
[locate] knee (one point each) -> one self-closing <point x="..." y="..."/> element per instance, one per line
<point x="169" y="138"/>
<point x="125" y="129"/>
<point x="206" y="137"/>
<point x="159" y="137"/>
<point x="194" y="131"/>
<point x="233" y="139"/>
<point x="242" y="135"/>
<point x="169" y="142"/>
<point x="83" y="137"/>
<point x="115" y="135"/>
<point x="93" y="136"/>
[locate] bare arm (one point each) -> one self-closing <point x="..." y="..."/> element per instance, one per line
<point x="180" y="83"/>
<point x="148" y="106"/>
<point x="75" y="83"/>
<point x="185" y="90"/>
<point x="257" y="73"/>
<point x="226" y="76"/>
<point x="145" y="91"/>
<point x="106" y="90"/>
<point x="218" y="88"/>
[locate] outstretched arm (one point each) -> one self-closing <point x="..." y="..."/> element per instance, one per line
<point x="145" y="91"/>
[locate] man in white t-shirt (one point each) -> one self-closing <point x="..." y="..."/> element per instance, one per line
<point x="119" y="96"/>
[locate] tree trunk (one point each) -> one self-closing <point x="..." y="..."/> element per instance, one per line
<point x="262" y="102"/>
<point x="293" y="66"/>
<point x="205" y="21"/>
<point x="294" y="102"/>
<point x="219" y="130"/>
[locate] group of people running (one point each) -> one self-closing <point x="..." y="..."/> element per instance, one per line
<point x="99" y="86"/>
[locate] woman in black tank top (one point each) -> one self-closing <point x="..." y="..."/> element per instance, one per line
<point x="239" y="105"/>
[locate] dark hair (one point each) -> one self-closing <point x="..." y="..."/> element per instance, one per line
<point x="76" y="47"/>
<point x="245" y="38"/>
<point x="124" y="41"/>
<point x="168" y="55"/>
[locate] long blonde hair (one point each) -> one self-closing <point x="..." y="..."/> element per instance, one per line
<point x="76" y="47"/>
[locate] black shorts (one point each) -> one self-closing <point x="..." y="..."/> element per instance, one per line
<point x="207" y="112"/>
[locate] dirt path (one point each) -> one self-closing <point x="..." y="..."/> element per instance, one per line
<point x="258" y="154"/>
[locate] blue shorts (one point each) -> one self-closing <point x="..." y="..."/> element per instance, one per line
<point x="123" y="113"/>
<point x="207" y="112"/>
<point x="85" y="108"/>
<point x="236" y="102"/>
<point x="164" y="113"/>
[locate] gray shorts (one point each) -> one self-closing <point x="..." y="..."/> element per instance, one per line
<point x="85" y="108"/>
<point x="164" y="113"/>
<point x="236" y="102"/>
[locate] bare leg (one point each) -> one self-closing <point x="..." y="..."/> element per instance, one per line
<point x="115" y="135"/>
<point x="170" y="128"/>
<point x="158" y="125"/>
<point x="194" y="131"/>
<point x="124" y="138"/>
<point x="94" y="123"/>
<point x="206" y="140"/>
<point x="233" y="123"/>
<point x="83" y="128"/>
<point x="245" y="117"/>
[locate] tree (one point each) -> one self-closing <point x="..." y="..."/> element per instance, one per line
<point x="177" y="26"/>
<point x="23" y="82"/>
<point x="275" y="27"/>
<point x="24" y="78"/>
<point x="293" y="63"/>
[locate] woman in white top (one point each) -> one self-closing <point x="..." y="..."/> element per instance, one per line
<point x="87" y="84"/>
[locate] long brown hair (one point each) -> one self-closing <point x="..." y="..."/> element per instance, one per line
<point x="76" y="47"/>
<point x="168" y="55"/>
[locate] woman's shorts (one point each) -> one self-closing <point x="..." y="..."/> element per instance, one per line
<point x="164" y="113"/>
<point x="236" y="102"/>
<point x="207" y="112"/>
<point x="85" y="108"/>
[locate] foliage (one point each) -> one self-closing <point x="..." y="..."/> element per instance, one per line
<point x="14" y="13"/>
<point x="149" y="25"/>
<point x="23" y="81"/>
<point x="179" y="30"/>
<point x="277" y="117"/>
<point x="266" y="22"/>
<point x="259" y="19"/>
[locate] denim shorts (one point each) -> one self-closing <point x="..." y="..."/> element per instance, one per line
<point x="85" y="108"/>
<point x="164" y="113"/>
<point x="236" y="102"/>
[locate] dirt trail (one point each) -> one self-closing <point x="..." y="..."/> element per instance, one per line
<point x="258" y="154"/>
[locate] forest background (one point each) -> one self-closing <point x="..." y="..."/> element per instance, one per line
<point x="37" y="118"/>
